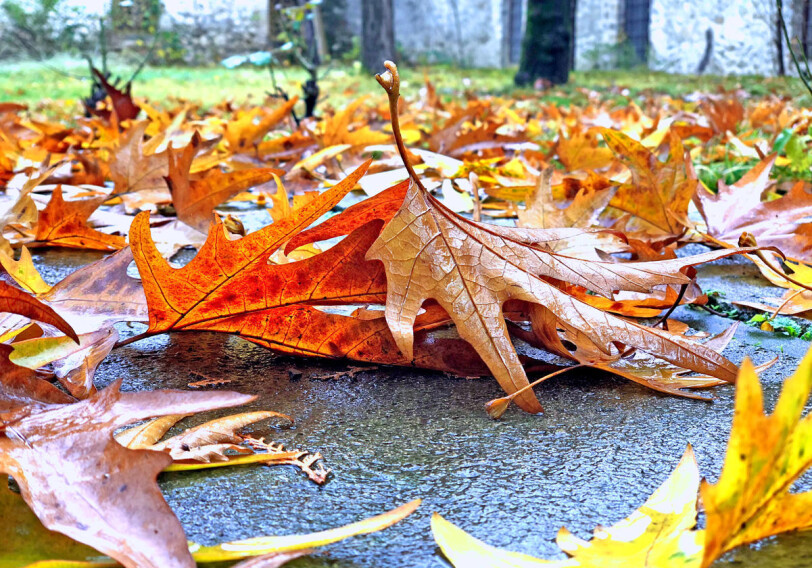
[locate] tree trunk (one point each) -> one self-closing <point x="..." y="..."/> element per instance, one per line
<point x="547" y="44"/>
<point x="377" y="34"/>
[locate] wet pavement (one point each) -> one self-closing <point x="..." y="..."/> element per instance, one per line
<point x="393" y="435"/>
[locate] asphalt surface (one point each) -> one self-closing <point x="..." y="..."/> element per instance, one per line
<point x="393" y="435"/>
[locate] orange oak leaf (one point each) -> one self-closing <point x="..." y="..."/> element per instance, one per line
<point x="195" y="199"/>
<point x="382" y="206"/>
<point x="307" y="331"/>
<point x="245" y="296"/>
<point x="233" y="274"/>
<point x="64" y="224"/>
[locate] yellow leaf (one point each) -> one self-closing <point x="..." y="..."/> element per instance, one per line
<point x="765" y="455"/>
<point x="24" y="272"/>
<point x="264" y="545"/>
<point x="465" y="551"/>
<point x="658" y="534"/>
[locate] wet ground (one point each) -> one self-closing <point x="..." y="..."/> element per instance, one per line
<point x="390" y="436"/>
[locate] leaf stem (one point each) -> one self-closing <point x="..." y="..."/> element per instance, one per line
<point x="133" y="339"/>
<point x="496" y="407"/>
<point x="390" y="81"/>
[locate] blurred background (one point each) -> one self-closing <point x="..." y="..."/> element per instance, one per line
<point x="208" y="51"/>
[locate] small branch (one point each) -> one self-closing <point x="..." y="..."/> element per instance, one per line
<point x="664" y="318"/>
<point x="804" y="78"/>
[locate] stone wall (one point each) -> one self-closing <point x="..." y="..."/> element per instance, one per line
<point x="743" y="33"/>
<point x="597" y="32"/>
<point x="743" y="36"/>
<point x="210" y="30"/>
<point x="464" y="32"/>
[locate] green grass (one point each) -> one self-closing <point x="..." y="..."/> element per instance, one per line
<point x="39" y="85"/>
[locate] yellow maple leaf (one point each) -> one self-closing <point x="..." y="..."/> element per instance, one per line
<point x="766" y="454"/>
<point x="657" y="534"/>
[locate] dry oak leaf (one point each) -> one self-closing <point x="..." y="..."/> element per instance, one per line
<point x="195" y="199"/>
<point x="472" y="269"/>
<point x="657" y="535"/>
<point x="275" y="305"/>
<point x="79" y="481"/>
<point x="766" y="454"/>
<point x="64" y="224"/>
<point x="659" y="192"/>
<point x="739" y="208"/>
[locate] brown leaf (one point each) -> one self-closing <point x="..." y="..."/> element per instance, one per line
<point x="16" y="301"/>
<point x="79" y="481"/>
<point x="472" y="269"/>
<point x="122" y="101"/>
<point x="218" y="431"/>
<point x="20" y="387"/>
<point x="739" y="208"/>
<point x="100" y="294"/>
<point x="131" y="170"/>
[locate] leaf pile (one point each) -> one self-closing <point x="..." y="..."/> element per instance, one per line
<point x="373" y="252"/>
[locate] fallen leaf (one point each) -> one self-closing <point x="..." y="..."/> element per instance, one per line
<point x="656" y="534"/>
<point x="766" y="454"/>
<point x="472" y="269"/>
<point x="64" y="224"/>
<point x="659" y="192"/>
<point x="99" y="294"/>
<point x="195" y="199"/>
<point x="739" y="208"/>
<point x="580" y="151"/>
<point x="82" y="483"/>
